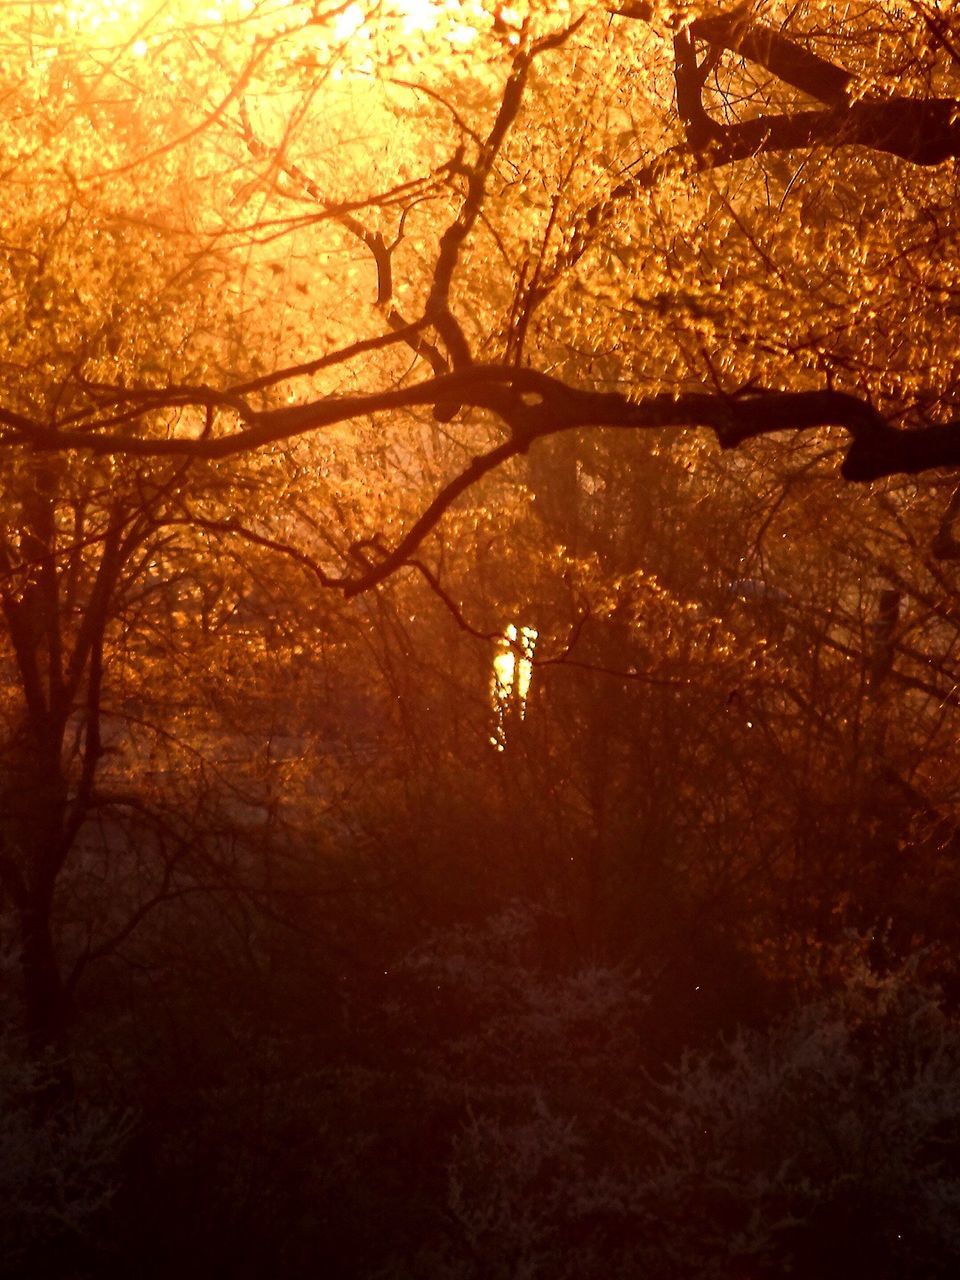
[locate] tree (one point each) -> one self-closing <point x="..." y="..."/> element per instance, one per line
<point x="363" y="259"/>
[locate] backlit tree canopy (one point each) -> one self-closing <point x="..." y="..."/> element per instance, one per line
<point x="298" y="281"/>
<point x="479" y="644"/>
<point x="233" y="226"/>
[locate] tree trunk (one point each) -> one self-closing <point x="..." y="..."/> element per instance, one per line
<point x="34" y="802"/>
<point x="44" y="995"/>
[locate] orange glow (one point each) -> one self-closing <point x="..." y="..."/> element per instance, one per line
<point x="138" y="23"/>
<point x="512" y="675"/>
<point x="461" y="22"/>
<point x="120" y="15"/>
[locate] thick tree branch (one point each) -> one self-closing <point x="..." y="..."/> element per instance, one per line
<point x="690" y="77"/>
<point x="782" y="57"/>
<point x="921" y="132"/>
<point x="532" y="405"/>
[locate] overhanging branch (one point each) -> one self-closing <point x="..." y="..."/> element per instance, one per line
<point x="533" y="405"/>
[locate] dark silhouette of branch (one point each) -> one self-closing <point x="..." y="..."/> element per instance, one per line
<point x="923" y="132"/>
<point x="533" y="405"/>
<point x="784" y="58"/>
<point x="451" y="242"/>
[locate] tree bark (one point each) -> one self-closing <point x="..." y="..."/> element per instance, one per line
<point x="46" y="1007"/>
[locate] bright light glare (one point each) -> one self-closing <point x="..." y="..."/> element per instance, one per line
<point x="457" y="22"/>
<point x="121" y="15"/>
<point x="418" y="15"/>
<point x="512" y="674"/>
<point x="413" y="16"/>
<point x="349" y="22"/>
